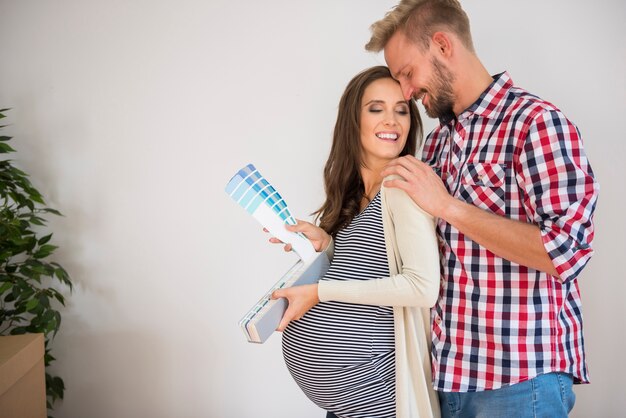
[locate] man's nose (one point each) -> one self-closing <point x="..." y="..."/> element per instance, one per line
<point x="407" y="90"/>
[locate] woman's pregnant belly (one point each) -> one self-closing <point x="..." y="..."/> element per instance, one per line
<point x="338" y="352"/>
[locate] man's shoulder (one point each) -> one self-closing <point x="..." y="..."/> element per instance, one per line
<point x="520" y="103"/>
<point x="507" y="99"/>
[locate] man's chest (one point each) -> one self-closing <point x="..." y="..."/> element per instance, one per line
<point x="478" y="163"/>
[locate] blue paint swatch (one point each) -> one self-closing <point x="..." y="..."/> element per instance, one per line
<point x="250" y="189"/>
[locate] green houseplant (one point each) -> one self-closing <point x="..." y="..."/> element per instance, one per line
<point x="27" y="279"/>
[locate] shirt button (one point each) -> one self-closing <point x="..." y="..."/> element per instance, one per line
<point x="438" y="320"/>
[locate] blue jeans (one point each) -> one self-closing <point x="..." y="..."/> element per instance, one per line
<point x="546" y="396"/>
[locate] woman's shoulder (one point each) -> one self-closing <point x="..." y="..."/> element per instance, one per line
<point x="395" y="200"/>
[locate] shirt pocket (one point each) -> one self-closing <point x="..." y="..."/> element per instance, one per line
<point x="483" y="185"/>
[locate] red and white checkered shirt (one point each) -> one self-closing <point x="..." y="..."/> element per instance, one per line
<point x="496" y="322"/>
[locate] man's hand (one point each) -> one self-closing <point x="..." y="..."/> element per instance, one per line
<point x="420" y="182"/>
<point x="300" y="298"/>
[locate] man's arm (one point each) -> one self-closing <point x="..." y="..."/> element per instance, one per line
<point x="510" y="239"/>
<point x="513" y="240"/>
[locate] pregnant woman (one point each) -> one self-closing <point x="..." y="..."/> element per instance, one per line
<point x="358" y="343"/>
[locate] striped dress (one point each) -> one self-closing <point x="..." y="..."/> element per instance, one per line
<point x="342" y="354"/>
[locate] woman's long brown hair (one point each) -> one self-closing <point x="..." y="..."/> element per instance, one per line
<point x="342" y="173"/>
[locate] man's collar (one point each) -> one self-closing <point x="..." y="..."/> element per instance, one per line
<point x="488" y="103"/>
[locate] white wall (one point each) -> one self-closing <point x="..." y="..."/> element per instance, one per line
<point x="132" y="115"/>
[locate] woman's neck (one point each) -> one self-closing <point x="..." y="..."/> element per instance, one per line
<point x="371" y="183"/>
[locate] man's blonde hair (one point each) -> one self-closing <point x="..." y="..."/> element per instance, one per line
<point x="419" y="20"/>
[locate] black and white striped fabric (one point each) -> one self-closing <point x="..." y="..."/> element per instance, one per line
<point x="341" y="354"/>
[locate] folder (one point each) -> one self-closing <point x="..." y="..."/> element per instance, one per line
<point x="250" y="190"/>
<point x="264" y="317"/>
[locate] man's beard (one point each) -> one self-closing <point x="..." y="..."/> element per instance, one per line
<point x="440" y="95"/>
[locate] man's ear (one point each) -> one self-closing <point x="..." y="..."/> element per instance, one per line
<point x="442" y="44"/>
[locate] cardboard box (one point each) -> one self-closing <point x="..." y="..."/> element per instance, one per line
<point x="22" y="376"/>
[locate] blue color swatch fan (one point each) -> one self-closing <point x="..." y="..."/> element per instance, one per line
<point x="259" y="198"/>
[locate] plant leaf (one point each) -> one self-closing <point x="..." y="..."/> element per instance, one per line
<point x="5" y="148"/>
<point x="53" y="211"/>
<point x="45" y="239"/>
<point x="45" y="250"/>
<point x="5" y="286"/>
<point x="32" y="304"/>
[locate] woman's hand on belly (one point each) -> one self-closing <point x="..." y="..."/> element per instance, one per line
<point x="300" y="298"/>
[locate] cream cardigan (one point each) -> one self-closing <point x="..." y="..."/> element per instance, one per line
<point x="412" y="288"/>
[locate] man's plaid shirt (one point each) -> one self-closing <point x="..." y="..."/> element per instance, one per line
<point x="497" y="322"/>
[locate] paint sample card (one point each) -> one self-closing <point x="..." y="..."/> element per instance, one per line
<point x="260" y="199"/>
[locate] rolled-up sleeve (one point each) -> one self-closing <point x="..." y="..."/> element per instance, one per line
<point x="560" y="191"/>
